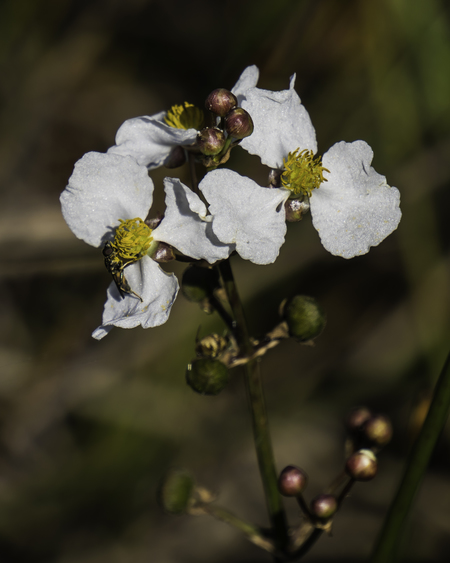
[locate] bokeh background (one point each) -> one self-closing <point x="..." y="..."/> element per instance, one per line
<point x="88" y="428"/>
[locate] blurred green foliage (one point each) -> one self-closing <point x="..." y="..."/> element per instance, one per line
<point x="88" y="428"/>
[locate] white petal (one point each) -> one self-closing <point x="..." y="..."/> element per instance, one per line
<point x="186" y="225"/>
<point x="355" y="209"/>
<point x="245" y="214"/>
<point x="281" y="123"/>
<point x="149" y="140"/>
<point x="157" y="289"/>
<point x="104" y="188"/>
<point x="247" y="80"/>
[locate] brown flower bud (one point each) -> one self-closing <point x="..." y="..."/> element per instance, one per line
<point x="295" y="209"/>
<point x="292" y="481"/>
<point x="176" y="158"/>
<point x="164" y="253"/>
<point x="238" y="123"/>
<point x="362" y="465"/>
<point x="221" y="102"/>
<point x="378" y="430"/>
<point x="324" y="506"/>
<point x="356" y="418"/>
<point x="210" y="141"/>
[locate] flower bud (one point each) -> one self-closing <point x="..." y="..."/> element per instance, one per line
<point x="176" y="158"/>
<point x="292" y="481"/>
<point x="207" y="376"/>
<point x="198" y="283"/>
<point x="238" y="123"/>
<point x="221" y="102"/>
<point x="356" y="418"/>
<point x="362" y="465"/>
<point x="164" y="253"/>
<point x="176" y="491"/>
<point x="304" y="316"/>
<point x="378" y="430"/>
<point x="324" y="506"/>
<point x="295" y="209"/>
<point x="210" y="140"/>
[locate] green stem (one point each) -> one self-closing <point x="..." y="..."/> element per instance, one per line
<point x="258" y="412"/>
<point x="387" y="546"/>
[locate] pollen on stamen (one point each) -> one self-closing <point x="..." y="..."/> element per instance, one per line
<point x="302" y="172"/>
<point x="133" y="239"/>
<point x="186" y="116"/>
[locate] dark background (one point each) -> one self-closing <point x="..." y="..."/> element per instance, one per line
<point x="88" y="428"/>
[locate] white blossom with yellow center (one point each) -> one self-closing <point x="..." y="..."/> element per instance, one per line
<point x="150" y="139"/>
<point x="352" y="206"/>
<point x="107" y="199"/>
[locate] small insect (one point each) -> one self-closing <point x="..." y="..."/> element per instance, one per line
<point x="115" y="266"/>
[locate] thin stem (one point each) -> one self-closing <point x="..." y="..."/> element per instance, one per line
<point x="387" y="546"/>
<point x="253" y="533"/>
<point x="258" y="412"/>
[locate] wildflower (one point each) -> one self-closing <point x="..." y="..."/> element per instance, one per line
<point x="151" y="139"/>
<point x="106" y="202"/>
<point x="352" y="206"/>
<point x="154" y="140"/>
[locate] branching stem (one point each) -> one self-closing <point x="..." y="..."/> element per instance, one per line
<point x="258" y="412"/>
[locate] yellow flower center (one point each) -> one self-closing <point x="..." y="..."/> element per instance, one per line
<point x="186" y="116"/>
<point x="132" y="240"/>
<point x="302" y="172"/>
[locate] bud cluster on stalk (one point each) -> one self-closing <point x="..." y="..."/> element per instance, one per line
<point x="229" y="125"/>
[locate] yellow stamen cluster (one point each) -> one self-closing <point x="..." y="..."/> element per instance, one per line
<point x="132" y="239"/>
<point x="186" y="116"/>
<point x="302" y="172"/>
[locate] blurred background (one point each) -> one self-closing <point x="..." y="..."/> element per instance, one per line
<point x="87" y="428"/>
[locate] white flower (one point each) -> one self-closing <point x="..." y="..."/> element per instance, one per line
<point x="353" y="209"/>
<point x="246" y="215"/>
<point x="105" y="190"/>
<point x="150" y="139"/>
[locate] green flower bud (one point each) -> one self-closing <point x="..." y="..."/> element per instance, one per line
<point x="221" y="102"/>
<point x="199" y="283"/>
<point x="176" y="490"/>
<point x="238" y="123"/>
<point x="362" y="465"/>
<point x="324" y="506"/>
<point x="378" y="430"/>
<point x="207" y="376"/>
<point x="292" y="481"/>
<point x="304" y="316"/>
<point x="210" y="141"/>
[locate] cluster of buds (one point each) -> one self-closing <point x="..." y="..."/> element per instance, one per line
<point x="367" y="430"/>
<point x="368" y="433"/>
<point x="302" y="318"/>
<point x="229" y="124"/>
<point x="291" y="483"/>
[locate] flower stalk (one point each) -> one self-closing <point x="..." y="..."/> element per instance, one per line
<point x="257" y="406"/>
